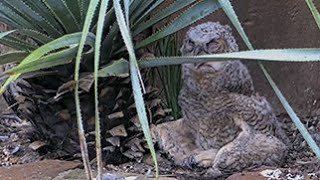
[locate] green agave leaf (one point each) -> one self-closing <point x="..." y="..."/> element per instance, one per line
<point x="107" y="43"/>
<point x="13" y="42"/>
<point x="135" y="4"/>
<point x="283" y="55"/>
<point x="39" y="22"/>
<point x="126" y="4"/>
<point x="198" y="11"/>
<point x="21" y="44"/>
<point x="12" y="18"/>
<point x="314" y="12"/>
<point x="101" y="20"/>
<point x="304" y="132"/>
<point x="37" y="36"/>
<point x="12" y="57"/>
<point x="65" y="41"/>
<point x="73" y="6"/>
<point x="136" y="86"/>
<point x="143" y="6"/>
<point x="17" y="43"/>
<point x="84" y="5"/>
<point x="118" y="68"/>
<point x="6" y="20"/>
<point x="149" y="11"/>
<point x="62" y="12"/>
<point x="227" y="7"/>
<point x="173" y="8"/>
<point x="69" y="40"/>
<point x="85" y="32"/>
<point x="49" y="61"/>
<point x="3" y="34"/>
<point x="44" y="12"/>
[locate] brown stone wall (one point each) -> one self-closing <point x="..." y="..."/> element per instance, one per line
<point x="281" y="24"/>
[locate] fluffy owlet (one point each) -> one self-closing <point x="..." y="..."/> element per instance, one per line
<point x="225" y="126"/>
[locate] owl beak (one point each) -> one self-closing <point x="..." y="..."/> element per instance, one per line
<point x="198" y="50"/>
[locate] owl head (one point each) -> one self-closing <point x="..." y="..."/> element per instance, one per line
<point x="208" y="38"/>
<point x="211" y="38"/>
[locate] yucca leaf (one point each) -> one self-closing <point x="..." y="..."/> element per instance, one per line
<point x="118" y="68"/>
<point x="173" y="8"/>
<point x="13" y="42"/>
<point x="283" y="55"/>
<point x="149" y="11"/>
<point x="85" y="32"/>
<point x="107" y="43"/>
<point x="304" y="132"/>
<point x="12" y="57"/>
<point x="136" y="4"/>
<point x="101" y="20"/>
<point x="227" y="7"/>
<point x="6" y="20"/>
<point x="44" y="12"/>
<point x="74" y="8"/>
<point x="64" y="15"/>
<point x="49" y="61"/>
<point x="3" y="34"/>
<point x="65" y="41"/>
<point x="36" y="35"/>
<point x="18" y="44"/>
<point x="196" y="12"/>
<point x="126" y="4"/>
<point x="314" y="12"/>
<point x="143" y="6"/>
<point x="136" y="86"/>
<point x="13" y="18"/>
<point x="33" y="17"/>
<point x="69" y="40"/>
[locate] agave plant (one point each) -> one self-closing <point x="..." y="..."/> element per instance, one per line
<point x="47" y="34"/>
<point x="76" y="44"/>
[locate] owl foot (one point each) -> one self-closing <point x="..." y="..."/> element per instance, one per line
<point x="203" y="158"/>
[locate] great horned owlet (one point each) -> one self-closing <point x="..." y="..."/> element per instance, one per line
<point x="225" y="127"/>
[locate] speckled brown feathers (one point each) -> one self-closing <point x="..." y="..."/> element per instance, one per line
<point x="226" y="127"/>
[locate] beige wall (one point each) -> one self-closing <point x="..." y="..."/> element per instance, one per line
<point x="281" y="24"/>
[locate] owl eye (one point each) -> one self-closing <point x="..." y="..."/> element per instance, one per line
<point x="188" y="47"/>
<point x="190" y="42"/>
<point x="213" y="44"/>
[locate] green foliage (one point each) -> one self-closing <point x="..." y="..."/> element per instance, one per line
<point x="170" y="76"/>
<point x="83" y="144"/>
<point x="281" y="55"/>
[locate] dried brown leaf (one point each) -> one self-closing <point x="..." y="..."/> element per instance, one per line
<point x="119" y="131"/>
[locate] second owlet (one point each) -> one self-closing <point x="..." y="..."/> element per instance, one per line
<point x="225" y="127"/>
